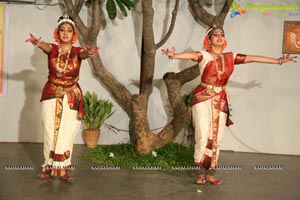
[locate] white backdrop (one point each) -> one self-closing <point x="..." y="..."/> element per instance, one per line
<point x="266" y="117"/>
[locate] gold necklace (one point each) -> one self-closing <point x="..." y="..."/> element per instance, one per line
<point x="219" y="72"/>
<point x="62" y="71"/>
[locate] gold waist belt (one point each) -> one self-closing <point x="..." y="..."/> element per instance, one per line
<point x="61" y="89"/>
<point x="217" y="89"/>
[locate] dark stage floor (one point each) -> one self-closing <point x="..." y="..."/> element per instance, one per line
<point x="245" y="176"/>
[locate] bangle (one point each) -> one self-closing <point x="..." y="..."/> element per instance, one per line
<point x="280" y="61"/>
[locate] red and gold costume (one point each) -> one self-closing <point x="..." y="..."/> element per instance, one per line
<point x="210" y="106"/>
<point x="62" y="107"/>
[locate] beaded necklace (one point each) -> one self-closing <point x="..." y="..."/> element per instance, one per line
<point x="62" y="71"/>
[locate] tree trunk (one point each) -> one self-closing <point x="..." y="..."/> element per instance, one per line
<point x="136" y="105"/>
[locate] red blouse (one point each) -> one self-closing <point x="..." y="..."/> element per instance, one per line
<point x="211" y="77"/>
<point x="63" y="78"/>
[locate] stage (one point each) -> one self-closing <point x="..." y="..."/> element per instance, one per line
<point x="245" y="176"/>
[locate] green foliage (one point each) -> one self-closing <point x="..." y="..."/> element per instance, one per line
<point x="187" y="98"/>
<point x="96" y="111"/>
<point x="128" y="3"/>
<point x="111" y="7"/>
<point x="122" y="8"/>
<point x="125" y="156"/>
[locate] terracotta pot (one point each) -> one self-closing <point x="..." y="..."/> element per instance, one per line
<point x="91" y="138"/>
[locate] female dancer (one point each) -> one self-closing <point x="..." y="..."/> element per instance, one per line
<point x="62" y="102"/>
<point x="210" y="99"/>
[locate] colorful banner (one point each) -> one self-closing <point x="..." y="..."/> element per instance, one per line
<point x="2" y="30"/>
<point x="265" y="9"/>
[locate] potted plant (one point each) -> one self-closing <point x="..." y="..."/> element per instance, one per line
<point x="96" y="112"/>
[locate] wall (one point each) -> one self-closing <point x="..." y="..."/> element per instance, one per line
<point x="266" y="116"/>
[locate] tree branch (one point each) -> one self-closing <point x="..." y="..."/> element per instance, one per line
<point x="181" y="113"/>
<point x="94" y="29"/>
<point x="188" y="74"/>
<point x="79" y="6"/>
<point x="202" y="16"/>
<point x="77" y="20"/>
<point x="225" y="10"/>
<point x="172" y="25"/>
<point x="118" y="91"/>
<point x="148" y="49"/>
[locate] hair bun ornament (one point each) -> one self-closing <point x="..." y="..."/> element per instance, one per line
<point x="65" y="19"/>
<point x="210" y="29"/>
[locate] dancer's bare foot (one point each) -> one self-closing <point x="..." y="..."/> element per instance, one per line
<point x="213" y="180"/>
<point x="200" y="179"/>
<point x="45" y="176"/>
<point x="67" y="178"/>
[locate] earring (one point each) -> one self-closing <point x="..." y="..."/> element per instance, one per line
<point x="225" y="44"/>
